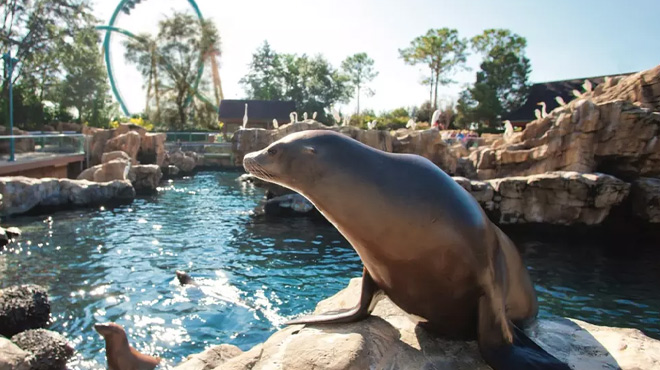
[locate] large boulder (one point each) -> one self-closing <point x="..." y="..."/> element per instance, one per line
<point x="152" y="149"/>
<point x="111" y="156"/>
<point x="128" y="142"/>
<point x="117" y="169"/>
<point x="50" y="349"/>
<point x="142" y="146"/>
<point x="13" y="357"/>
<point x="22" y="194"/>
<point x="559" y="198"/>
<point x="145" y="178"/>
<point x="210" y="358"/>
<point x="645" y="199"/>
<point x="184" y="161"/>
<point x="390" y="339"/>
<point x="22" y="308"/>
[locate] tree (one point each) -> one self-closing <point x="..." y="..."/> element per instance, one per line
<point x="311" y="82"/>
<point x="360" y="70"/>
<point x="34" y="30"/>
<point x="174" y="55"/>
<point x="443" y="51"/>
<point x="264" y="80"/>
<point x="502" y="82"/>
<point x="85" y="86"/>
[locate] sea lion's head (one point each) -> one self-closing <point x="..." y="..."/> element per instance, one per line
<point x="183" y="277"/>
<point x="300" y="160"/>
<point x="111" y="331"/>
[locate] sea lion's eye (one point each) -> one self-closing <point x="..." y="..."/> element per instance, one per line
<point x="272" y="151"/>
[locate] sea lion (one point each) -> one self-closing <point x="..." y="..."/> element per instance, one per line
<point x="120" y="355"/>
<point x="184" y="278"/>
<point x="423" y="239"/>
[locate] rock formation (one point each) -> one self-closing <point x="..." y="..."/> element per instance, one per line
<point x="559" y="198"/>
<point x="14" y="358"/>
<point x="128" y="143"/>
<point x="645" y="199"/>
<point x="51" y="350"/>
<point x="426" y="143"/>
<point x="184" y="161"/>
<point x="613" y="130"/>
<point x="145" y="178"/>
<point x="390" y="339"/>
<point x="24" y="313"/>
<point x="22" y="308"/>
<point x="22" y="194"/>
<point x="556" y="198"/>
<point x="116" y="165"/>
<point x="141" y="146"/>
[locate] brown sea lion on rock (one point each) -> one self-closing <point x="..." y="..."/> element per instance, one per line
<point x="120" y="355"/>
<point x="423" y="240"/>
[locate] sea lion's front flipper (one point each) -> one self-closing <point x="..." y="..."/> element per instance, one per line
<point x="357" y="313"/>
<point x="505" y="347"/>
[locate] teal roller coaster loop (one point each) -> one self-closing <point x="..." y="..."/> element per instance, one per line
<point x="125" y="5"/>
<point x="124" y="32"/>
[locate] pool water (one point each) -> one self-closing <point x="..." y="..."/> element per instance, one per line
<point x="118" y="265"/>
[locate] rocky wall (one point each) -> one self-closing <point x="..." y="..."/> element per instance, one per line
<point x="426" y="143"/>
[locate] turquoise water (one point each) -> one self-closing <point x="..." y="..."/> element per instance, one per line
<point x="118" y="265"/>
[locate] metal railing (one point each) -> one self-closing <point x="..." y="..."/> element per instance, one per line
<point x="205" y="137"/>
<point x="38" y="145"/>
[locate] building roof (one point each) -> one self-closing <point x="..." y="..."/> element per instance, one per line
<point x="547" y="92"/>
<point x="257" y="109"/>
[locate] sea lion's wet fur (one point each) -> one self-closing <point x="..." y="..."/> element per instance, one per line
<point x="423" y="239"/>
<point x="119" y="354"/>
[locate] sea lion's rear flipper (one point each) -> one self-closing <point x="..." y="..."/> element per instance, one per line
<point x="357" y="313"/>
<point x="505" y="347"/>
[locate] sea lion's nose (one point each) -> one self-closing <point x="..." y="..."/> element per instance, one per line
<point x="99" y="327"/>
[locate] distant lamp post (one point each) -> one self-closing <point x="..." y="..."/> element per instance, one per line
<point x="9" y="67"/>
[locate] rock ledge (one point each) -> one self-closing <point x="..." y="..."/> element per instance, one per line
<point x="391" y="340"/>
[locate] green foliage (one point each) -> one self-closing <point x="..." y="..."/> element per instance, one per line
<point x="85" y="86"/>
<point x="264" y="79"/>
<point x="170" y="62"/>
<point x="360" y="70"/>
<point x="59" y="62"/>
<point x="502" y="83"/>
<point x="443" y="51"/>
<point x="311" y="82"/>
<point x="394" y="120"/>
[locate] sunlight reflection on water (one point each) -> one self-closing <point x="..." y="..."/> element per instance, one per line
<point x="252" y="275"/>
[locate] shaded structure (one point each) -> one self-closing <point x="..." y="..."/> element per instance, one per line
<point x="548" y="92"/>
<point x="260" y="113"/>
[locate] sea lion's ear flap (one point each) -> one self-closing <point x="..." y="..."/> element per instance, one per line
<point x="310" y="149"/>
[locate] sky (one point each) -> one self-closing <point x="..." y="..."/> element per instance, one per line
<point x="566" y="39"/>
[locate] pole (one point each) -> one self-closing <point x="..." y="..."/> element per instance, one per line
<point x="9" y="64"/>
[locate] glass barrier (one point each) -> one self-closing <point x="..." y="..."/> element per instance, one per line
<point x="36" y="145"/>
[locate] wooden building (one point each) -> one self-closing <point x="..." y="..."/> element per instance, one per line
<point x="260" y="113"/>
<point x="547" y="92"/>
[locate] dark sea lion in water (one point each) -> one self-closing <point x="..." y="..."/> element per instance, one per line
<point x="120" y="355"/>
<point x="423" y="240"/>
<point x="184" y="278"/>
